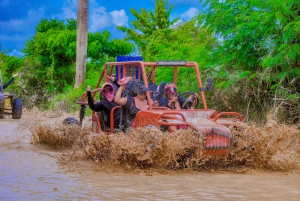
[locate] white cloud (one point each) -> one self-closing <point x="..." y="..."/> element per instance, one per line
<point x="176" y="24"/>
<point x="190" y="13"/>
<point x="69" y="13"/>
<point x="36" y="15"/>
<point x="99" y="19"/>
<point x="12" y="25"/>
<point x="70" y="9"/>
<point x="18" y="25"/>
<point x="15" y="37"/>
<point x="14" y="43"/>
<point x="18" y="31"/>
<point x="72" y="2"/>
<point x="119" y="17"/>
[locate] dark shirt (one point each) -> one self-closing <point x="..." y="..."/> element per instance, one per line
<point x="8" y="83"/>
<point x="164" y="102"/>
<point x="129" y="111"/>
<point x="106" y="106"/>
<point x="116" y="83"/>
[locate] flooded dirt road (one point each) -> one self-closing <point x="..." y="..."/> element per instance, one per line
<point x="33" y="172"/>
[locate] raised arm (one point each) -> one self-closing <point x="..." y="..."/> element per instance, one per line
<point x="8" y="83"/>
<point x="113" y="80"/>
<point x="11" y="80"/>
<point x="118" y="98"/>
<point x="93" y="106"/>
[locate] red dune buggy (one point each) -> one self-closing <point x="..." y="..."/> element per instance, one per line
<point x="213" y="126"/>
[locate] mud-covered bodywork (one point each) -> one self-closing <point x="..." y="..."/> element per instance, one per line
<point x="211" y="125"/>
<point x="216" y="136"/>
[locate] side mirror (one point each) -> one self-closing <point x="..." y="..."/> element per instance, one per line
<point x="209" y="84"/>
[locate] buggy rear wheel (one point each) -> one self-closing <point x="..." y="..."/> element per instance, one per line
<point x="2" y="102"/>
<point x="16" y="108"/>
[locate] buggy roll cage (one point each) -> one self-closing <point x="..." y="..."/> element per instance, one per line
<point x="145" y="72"/>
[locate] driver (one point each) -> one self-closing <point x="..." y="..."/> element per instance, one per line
<point x="171" y="98"/>
<point x="3" y="87"/>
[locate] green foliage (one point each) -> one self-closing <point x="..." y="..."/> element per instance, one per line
<point x="66" y="101"/>
<point x="259" y="40"/>
<point x="159" y="38"/>
<point x="147" y="22"/>
<point x="51" y="57"/>
<point x="255" y="35"/>
<point x="51" y="54"/>
<point x="9" y="65"/>
<point x="51" y="24"/>
<point x="183" y="42"/>
<point x="250" y="47"/>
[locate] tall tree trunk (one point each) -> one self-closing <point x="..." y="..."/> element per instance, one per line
<point x="82" y="38"/>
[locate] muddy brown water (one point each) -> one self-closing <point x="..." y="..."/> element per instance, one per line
<point x="36" y="172"/>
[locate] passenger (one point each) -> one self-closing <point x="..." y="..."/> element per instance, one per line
<point x="155" y="103"/>
<point x="159" y="94"/>
<point x="106" y="104"/>
<point x="170" y="98"/>
<point x="153" y="93"/>
<point x="2" y="87"/>
<point x="131" y="105"/>
<point x="10" y="81"/>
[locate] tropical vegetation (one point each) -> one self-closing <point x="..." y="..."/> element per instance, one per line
<point x="251" y="48"/>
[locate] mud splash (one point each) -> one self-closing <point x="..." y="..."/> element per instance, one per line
<point x="273" y="147"/>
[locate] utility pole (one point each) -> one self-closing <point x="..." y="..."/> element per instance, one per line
<point x="81" y="42"/>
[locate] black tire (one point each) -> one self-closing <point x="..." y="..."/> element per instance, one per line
<point x="17" y="108"/>
<point x="71" y="121"/>
<point x="2" y="102"/>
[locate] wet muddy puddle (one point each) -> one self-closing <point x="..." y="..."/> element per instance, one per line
<point x="36" y="172"/>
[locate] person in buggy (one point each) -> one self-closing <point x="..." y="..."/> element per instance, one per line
<point x="132" y="101"/>
<point x="9" y="82"/>
<point x="2" y="96"/>
<point x="171" y="99"/>
<point x="106" y="104"/>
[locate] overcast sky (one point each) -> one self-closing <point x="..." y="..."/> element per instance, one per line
<point x="18" y="18"/>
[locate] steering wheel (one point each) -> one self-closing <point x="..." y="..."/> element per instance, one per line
<point x="189" y="102"/>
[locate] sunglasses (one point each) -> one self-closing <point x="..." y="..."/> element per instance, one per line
<point x="170" y="90"/>
<point x="142" y="92"/>
<point x="107" y="90"/>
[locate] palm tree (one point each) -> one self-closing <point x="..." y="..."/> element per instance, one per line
<point x="82" y="39"/>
